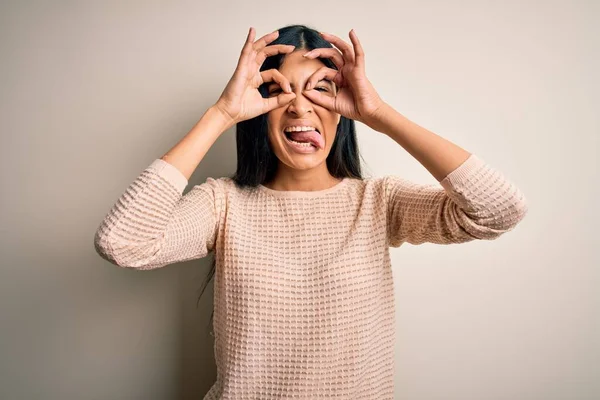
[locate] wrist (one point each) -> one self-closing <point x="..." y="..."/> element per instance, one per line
<point x="379" y="119"/>
<point x="225" y="119"/>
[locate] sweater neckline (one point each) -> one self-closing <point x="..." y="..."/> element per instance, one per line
<point x="304" y="193"/>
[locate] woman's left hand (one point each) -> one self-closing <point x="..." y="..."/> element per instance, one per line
<point x="356" y="97"/>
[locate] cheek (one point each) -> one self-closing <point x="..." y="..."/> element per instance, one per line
<point x="276" y="141"/>
<point x="330" y="122"/>
<point x="273" y="119"/>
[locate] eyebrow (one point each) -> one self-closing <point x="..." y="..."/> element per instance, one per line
<point x="327" y="81"/>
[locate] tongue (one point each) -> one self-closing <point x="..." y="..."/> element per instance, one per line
<point x="308" y="136"/>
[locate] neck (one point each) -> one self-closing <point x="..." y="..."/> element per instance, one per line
<point x="307" y="180"/>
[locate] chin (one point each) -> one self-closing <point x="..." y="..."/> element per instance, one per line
<point x="296" y="160"/>
<point x="301" y="161"/>
<point x="302" y="164"/>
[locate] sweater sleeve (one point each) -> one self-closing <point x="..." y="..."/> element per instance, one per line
<point x="474" y="202"/>
<point x="152" y="224"/>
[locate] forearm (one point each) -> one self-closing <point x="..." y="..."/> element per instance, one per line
<point x="191" y="149"/>
<point x="438" y="155"/>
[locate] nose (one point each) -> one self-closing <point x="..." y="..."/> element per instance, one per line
<point x="300" y="105"/>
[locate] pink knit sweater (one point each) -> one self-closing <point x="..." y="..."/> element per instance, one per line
<point x="303" y="291"/>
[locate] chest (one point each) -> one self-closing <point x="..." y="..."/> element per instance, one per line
<point x="304" y="243"/>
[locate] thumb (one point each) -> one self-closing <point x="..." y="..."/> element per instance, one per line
<point x="319" y="98"/>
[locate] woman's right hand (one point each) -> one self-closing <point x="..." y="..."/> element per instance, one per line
<point x="241" y="99"/>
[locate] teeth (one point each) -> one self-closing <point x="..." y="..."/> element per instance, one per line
<point x="299" y="128"/>
<point x="302" y="144"/>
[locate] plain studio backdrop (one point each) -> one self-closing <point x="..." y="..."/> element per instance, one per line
<point x="92" y="92"/>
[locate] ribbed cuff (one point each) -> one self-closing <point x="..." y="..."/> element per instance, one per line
<point x="170" y="173"/>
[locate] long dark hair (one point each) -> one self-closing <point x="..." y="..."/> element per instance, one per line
<point x="256" y="161"/>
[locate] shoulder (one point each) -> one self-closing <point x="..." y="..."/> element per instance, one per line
<point x="384" y="187"/>
<point x="225" y="186"/>
<point x="368" y="186"/>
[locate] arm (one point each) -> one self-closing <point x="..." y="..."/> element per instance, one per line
<point x="152" y="225"/>
<point x="438" y="155"/>
<point x="473" y="201"/>
<point x="187" y="154"/>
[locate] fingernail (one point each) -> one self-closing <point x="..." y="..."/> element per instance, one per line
<point x="308" y="86"/>
<point x="306" y="54"/>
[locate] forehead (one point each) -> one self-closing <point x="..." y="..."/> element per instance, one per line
<point x="296" y="67"/>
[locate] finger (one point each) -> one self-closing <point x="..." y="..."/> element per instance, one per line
<point x="273" y="50"/>
<point x="332" y="53"/>
<point x="358" y="50"/>
<point x="265" y="40"/>
<point x="273" y="75"/>
<point x="282" y="99"/>
<point x="324" y="73"/>
<point x="344" y="47"/>
<point x="247" y="47"/>
<point x="320" y="99"/>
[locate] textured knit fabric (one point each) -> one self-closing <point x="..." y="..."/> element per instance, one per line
<point x="303" y="291"/>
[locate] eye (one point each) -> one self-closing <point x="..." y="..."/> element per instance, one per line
<point x="322" y="88"/>
<point x="274" y="90"/>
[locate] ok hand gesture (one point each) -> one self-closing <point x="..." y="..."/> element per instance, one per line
<point x="356" y="97"/>
<point x="241" y="99"/>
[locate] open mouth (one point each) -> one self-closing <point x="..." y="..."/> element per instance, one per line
<point x="288" y="134"/>
<point x="305" y="140"/>
<point x="308" y="140"/>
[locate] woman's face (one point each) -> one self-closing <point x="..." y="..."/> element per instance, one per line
<point x="301" y="111"/>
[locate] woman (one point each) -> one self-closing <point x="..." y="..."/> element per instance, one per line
<point x="304" y="298"/>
